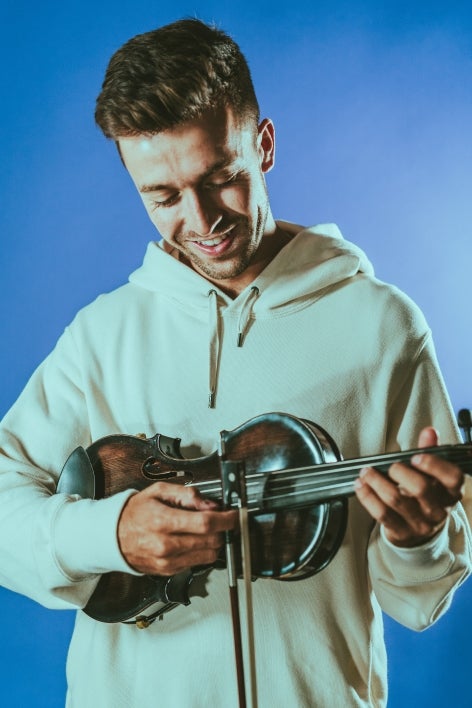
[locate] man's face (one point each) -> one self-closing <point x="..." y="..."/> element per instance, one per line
<point x="204" y="189"/>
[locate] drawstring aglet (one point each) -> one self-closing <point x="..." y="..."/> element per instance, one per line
<point x="211" y="399"/>
<point x="245" y="314"/>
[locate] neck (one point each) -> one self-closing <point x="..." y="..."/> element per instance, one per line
<point x="271" y="244"/>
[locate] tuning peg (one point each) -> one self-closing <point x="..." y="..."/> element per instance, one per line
<point x="464" y="420"/>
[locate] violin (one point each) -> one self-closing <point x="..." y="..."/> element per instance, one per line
<point x="296" y="488"/>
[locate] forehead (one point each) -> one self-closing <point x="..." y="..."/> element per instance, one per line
<point x="189" y="150"/>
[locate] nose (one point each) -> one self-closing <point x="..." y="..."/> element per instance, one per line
<point x="203" y="214"/>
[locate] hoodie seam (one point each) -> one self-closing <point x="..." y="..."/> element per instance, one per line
<point x="285" y="309"/>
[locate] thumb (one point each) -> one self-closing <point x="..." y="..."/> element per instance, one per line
<point x="428" y="437"/>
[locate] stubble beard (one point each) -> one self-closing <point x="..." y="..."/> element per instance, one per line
<point x="221" y="270"/>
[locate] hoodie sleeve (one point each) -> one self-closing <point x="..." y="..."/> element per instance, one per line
<point x="415" y="585"/>
<point x="52" y="546"/>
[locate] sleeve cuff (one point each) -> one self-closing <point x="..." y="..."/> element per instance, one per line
<point x="422" y="555"/>
<point x="85" y="536"/>
<point x="417" y="564"/>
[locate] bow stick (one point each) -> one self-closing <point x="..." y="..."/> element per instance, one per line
<point x="233" y="480"/>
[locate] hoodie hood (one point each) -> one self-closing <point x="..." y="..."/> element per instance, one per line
<point x="312" y="261"/>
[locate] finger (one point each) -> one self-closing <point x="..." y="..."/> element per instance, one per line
<point x="179" y="495"/>
<point x="401" y="514"/>
<point x="447" y="474"/>
<point x="152" y="562"/>
<point x="432" y="480"/>
<point x="378" y="509"/>
<point x="175" y="564"/>
<point x="166" y="545"/>
<point x="182" y="521"/>
<point x="183" y="551"/>
<point x="150" y="546"/>
<point x="390" y="493"/>
<point x="432" y="498"/>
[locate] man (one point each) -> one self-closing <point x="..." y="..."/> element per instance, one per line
<point x="234" y="314"/>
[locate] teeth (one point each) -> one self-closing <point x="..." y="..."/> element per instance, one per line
<point x="214" y="241"/>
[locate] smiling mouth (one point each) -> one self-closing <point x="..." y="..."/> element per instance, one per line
<point x="213" y="242"/>
<point x="217" y="244"/>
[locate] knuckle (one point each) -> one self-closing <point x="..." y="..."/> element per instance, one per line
<point x="454" y="495"/>
<point x="156" y="489"/>
<point x="192" y="493"/>
<point x="429" y="510"/>
<point x="206" y="523"/>
<point x="396" y="469"/>
<point x="385" y="517"/>
<point x="164" y="567"/>
<point x="426" y="461"/>
<point x="369" y="475"/>
<point x="423" y="528"/>
<point x="439" y="517"/>
<point x="162" y="547"/>
<point x="394" y="498"/>
<point x="458" y="490"/>
<point x="215" y="541"/>
<point x="159" y="522"/>
<point x="423" y="486"/>
<point x="209" y="556"/>
<point x="431" y="463"/>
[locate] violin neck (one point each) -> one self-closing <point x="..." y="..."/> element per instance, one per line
<point x="460" y="455"/>
<point x="303" y="486"/>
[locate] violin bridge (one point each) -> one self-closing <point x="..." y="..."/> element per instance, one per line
<point x="233" y="481"/>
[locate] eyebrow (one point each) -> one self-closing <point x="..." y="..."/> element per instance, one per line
<point x="224" y="162"/>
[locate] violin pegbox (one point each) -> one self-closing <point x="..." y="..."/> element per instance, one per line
<point x="464" y="420"/>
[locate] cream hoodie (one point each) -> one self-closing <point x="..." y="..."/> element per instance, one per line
<point x="315" y="335"/>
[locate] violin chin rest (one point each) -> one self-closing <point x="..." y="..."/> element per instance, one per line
<point x="77" y="476"/>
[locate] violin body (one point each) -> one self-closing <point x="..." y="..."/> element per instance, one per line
<point x="291" y="537"/>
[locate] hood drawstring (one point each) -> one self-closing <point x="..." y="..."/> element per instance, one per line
<point x="214" y="329"/>
<point x="214" y="345"/>
<point x="245" y="314"/>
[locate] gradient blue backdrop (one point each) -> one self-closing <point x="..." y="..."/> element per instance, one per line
<point x="373" y="106"/>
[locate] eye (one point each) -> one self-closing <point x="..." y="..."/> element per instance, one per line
<point x="223" y="180"/>
<point x="158" y="203"/>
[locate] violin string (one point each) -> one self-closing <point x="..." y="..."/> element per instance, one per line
<point x="321" y="491"/>
<point x="345" y="468"/>
<point x="331" y="470"/>
<point x="327" y="476"/>
<point x="313" y="494"/>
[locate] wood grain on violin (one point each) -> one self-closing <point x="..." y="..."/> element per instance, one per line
<point x="297" y="487"/>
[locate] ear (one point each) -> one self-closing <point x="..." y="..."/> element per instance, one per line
<point x="266" y="144"/>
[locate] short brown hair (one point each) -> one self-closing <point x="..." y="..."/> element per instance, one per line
<point x="171" y="75"/>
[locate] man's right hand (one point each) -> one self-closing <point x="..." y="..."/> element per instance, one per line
<point x="167" y="528"/>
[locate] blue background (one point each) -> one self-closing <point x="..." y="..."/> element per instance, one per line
<point x="372" y="103"/>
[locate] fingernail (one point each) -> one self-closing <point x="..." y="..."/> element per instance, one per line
<point x="358" y="483"/>
<point x="416" y="459"/>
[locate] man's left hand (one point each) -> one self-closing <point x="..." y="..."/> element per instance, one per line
<point x="414" y="501"/>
